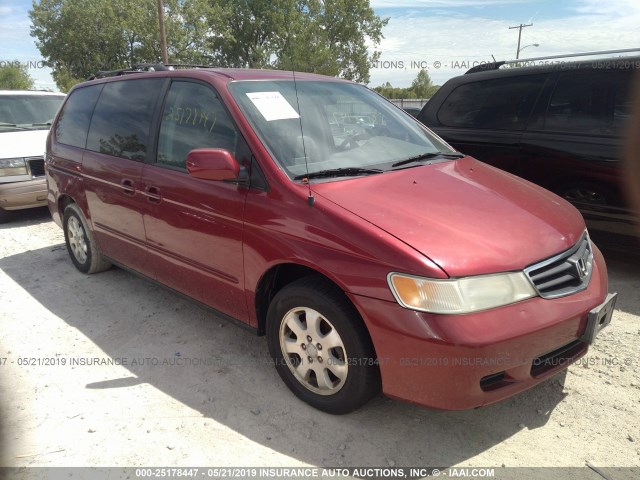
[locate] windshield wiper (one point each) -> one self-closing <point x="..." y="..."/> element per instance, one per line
<point x="338" y="172"/>
<point x="427" y="156"/>
<point x="12" y="125"/>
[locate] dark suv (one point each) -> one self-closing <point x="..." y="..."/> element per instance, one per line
<point x="560" y="125"/>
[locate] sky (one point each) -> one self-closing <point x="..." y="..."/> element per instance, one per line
<point x="447" y="37"/>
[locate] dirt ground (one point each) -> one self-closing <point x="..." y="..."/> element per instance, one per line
<point x="193" y="390"/>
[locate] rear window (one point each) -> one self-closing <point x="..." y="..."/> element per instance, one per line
<point x="73" y="123"/>
<point x="502" y="104"/>
<point x="122" y="118"/>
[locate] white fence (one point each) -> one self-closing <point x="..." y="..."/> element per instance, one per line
<point x="409" y="102"/>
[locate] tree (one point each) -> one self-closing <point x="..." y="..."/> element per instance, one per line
<point x="421" y="87"/>
<point x="14" y="76"/>
<point x="330" y="37"/>
<point x="238" y="33"/>
<point x="64" y="79"/>
<point x="79" y="37"/>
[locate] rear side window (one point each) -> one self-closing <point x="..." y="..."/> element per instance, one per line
<point x="74" y="120"/>
<point x="595" y="103"/>
<point x="502" y="104"/>
<point x="193" y="117"/>
<point x="122" y="118"/>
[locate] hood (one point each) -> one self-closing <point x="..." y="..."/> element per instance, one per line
<point x="467" y="217"/>
<point x="23" y="143"/>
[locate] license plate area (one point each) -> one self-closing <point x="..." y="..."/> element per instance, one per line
<point x="599" y="318"/>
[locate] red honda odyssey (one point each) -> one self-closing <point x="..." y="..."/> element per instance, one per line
<point x="371" y="254"/>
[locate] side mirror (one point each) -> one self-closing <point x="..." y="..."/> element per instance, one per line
<point x="212" y="164"/>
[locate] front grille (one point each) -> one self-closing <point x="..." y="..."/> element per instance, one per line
<point x="564" y="274"/>
<point x="36" y="166"/>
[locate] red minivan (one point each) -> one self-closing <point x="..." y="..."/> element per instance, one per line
<point x="371" y="254"/>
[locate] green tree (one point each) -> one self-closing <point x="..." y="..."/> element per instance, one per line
<point x="64" y="79"/>
<point x="80" y="37"/>
<point x="319" y="36"/>
<point x="15" y="76"/>
<point x="330" y="36"/>
<point x="422" y="86"/>
<point x="237" y="33"/>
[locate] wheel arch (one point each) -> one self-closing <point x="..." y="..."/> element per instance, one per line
<point x="66" y="197"/>
<point x="279" y="276"/>
<point x="567" y="182"/>
<point x="64" y="201"/>
<point x="272" y="281"/>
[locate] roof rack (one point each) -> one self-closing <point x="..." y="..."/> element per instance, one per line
<point x="187" y="65"/>
<point x="496" y="65"/>
<point x="144" y="67"/>
<point x="483" y="67"/>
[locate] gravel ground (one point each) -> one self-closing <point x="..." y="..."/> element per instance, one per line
<point x="193" y="390"/>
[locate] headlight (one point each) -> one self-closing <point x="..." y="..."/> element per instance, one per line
<point x="12" y="166"/>
<point x="462" y="295"/>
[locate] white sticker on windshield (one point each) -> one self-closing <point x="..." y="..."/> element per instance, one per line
<point x="272" y="105"/>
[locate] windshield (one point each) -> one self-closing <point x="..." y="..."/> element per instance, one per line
<point x="28" y="111"/>
<point x="347" y="128"/>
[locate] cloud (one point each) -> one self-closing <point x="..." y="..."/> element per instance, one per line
<point x="17" y="44"/>
<point x="599" y="7"/>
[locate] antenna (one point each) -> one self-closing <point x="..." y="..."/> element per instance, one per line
<point x="310" y="199"/>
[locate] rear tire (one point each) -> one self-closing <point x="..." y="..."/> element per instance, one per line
<point x="320" y="346"/>
<point x="81" y="244"/>
<point x="4" y="216"/>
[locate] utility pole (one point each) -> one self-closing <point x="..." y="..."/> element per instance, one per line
<point x="520" y="27"/>
<point x="163" y="36"/>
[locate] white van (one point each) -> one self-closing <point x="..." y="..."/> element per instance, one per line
<point x="25" y="118"/>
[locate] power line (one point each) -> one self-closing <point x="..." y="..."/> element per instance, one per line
<point x="520" y="27"/>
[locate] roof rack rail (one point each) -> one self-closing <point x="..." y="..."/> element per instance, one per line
<point x="187" y="65"/>
<point x="496" y="65"/>
<point x="483" y="67"/>
<point x="144" y="67"/>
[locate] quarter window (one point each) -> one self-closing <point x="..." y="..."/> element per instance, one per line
<point x="122" y="118"/>
<point x="73" y="125"/>
<point x="502" y="104"/>
<point x="193" y="117"/>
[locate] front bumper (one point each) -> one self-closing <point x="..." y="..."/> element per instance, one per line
<point x="456" y="362"/>
<point x="27" y="194"/>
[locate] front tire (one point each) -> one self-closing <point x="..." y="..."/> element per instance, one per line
<point x="320" y="346"/>
<point x="81" y="244"/>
